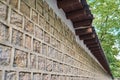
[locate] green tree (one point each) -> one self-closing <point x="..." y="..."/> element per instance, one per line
<point x="107" y="24"/>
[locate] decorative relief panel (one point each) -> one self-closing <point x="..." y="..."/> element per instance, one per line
<point x="16" y="19"/>
<point x="33" y="61"/>
<point x="41" y="63"/>
<point x="17" y="37"/>
<point x="42" y="22"/>
<point x="27" y="42"/>
<point x="20" y="59"/>
<point x="39" y="32"/>
<point x="34" y="16"/>
<point x="10" y="75"/>
<point x="28" y="26"/>
<point x="49" y="65"/>
<point x="44" y="49"/>
<point x="24" y="8"/>
<point x="37" y="76"/>
<point x="14" y="3"/>
<point x="3" y="11"/>
<point x="46" y="77"/>
<point x="46" y="37"/>
<point x="24" y="76"/>
<point x="5" y="55"/>
<point x="36" y="46"/>
<point x="4" y="32"/>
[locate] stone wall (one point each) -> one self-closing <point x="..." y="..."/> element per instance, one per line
<point x="36" y="45"/>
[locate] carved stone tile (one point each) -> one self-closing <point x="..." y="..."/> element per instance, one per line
<point x="44" y="49"/>
<point x="46" y="77"/>
<point x="24" y="76"/>
<point x="47" y="27"/>
<point x="53" y="41"/>
<point x="36" y="46"/>
<point x="10" y="75"/>
<point x="3" y="11"/>
<point x="35" y="16"/>
<point x="61" y="68"/>
<point x="24" y="8"/>
<point x="31" y="3"/>
<point x="29" y="27"/>
<point x="41" y="63"/>
<point x="54" y="77"/>
<point x="27" y="42"/>
<point x="17" y="37"/>
<point x="20" y="59"/>
<point x="39" y="6"/>
<point x="42" y="21"/>
<point x="51" y="52"/>
<point x="49" y="65"/>
<point x="55" y="66"/>
<point x="37" y="76"/>
<point x="16" y="19"/>
<point x="14" y="3"/>
<point x="38" y="32"/>
<point x="46" y="37"/>
<point x="4" y="32"/>
<point x="5" y="55"/>
<point x="33" y="61"/>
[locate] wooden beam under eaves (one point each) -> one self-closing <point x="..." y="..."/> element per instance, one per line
<point x="84" y="31"/>
<point x="87" y="36"/>
<point x="91" y="41"/>
<point x="82" y="23"/>
<point x="77" y="13"/>
<point x="69" y="5"/>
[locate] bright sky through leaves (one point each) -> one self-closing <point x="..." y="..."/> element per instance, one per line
<point x="107" y="24"/>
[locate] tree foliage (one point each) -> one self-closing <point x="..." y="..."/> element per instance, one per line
<point x="107" y="24"/>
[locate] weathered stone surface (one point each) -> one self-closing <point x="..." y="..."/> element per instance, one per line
<point x="54" y="77"/>
<point x="38" y="32"/>
<point x="46" y="77"/>
<point x="49" y="65"/>
<point x="5" y="55"/>
<point x="47" y="27"/>
<point x="20" y="59"/>
<point x="14" y="3"/>
<point x="31" y="3"/>
<point x="29" y="27"/>
<point x="44" y="49"/>
<point x="55" y="66"/>
<point x="39" y="6"/>
<point x="10" y="75"/>
<point x="34" y="16"/>
<point x="46" y="37"/>
<point x="41" y="63"/>
<point x="4" y="32"/>
<point x="17" y="37"/>
<point x="24" y="8"/>
<point x="42" y="22"/>
<point x="36" y="46"/>
<point x="27" y="42"/>
<point x="51" y="52"/>
<point x="24" y="76"/>
<point x="33" y="61"/>
<point x="3" y="11"/>
<point x="37" y="76"/>
<point x="16" y="19"/>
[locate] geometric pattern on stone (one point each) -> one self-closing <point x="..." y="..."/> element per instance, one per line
<point x="5" y="55"/>
<point x="20" y="59"/>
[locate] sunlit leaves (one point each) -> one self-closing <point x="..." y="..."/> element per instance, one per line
<point x="107" y="24"/>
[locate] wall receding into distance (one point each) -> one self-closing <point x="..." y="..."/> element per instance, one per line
<point x="36" y="44"/>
